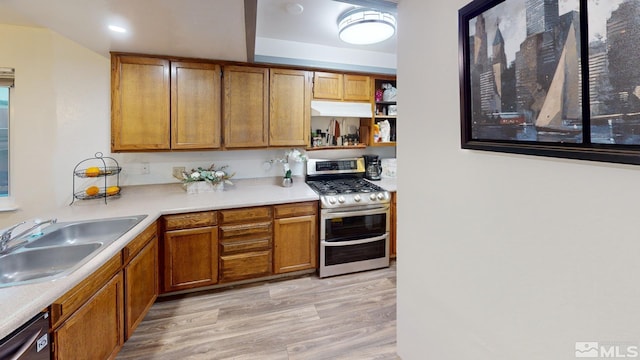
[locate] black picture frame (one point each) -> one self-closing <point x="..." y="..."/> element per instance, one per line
<point x="500" y="95"/>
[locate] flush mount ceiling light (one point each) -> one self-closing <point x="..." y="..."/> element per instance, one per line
<point x="365" y="26"/>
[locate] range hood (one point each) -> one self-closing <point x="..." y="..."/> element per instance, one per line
<point x="341" y="109"/>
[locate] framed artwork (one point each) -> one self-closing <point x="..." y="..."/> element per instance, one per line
<point x="551" y="77"/>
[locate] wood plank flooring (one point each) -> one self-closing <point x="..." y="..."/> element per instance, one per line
<point x="351" y="316"/>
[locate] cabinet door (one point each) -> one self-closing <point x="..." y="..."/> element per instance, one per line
<point x="246" y="111"/>
<point x="190" y="258"/>
<point x="195" y="105"/>
<point x="141" y="285"/>
<point x="393" y="228"/>
<point x="139" y="103"/>
<point x="290" y="105"/>
<point x="327" y="86"/>
<point x="95" y="331"/>
<point x="295" y="244"/>
<point x="357" y="88"/>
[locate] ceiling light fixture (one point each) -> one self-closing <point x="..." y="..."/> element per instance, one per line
<point x="365" y="26"/>
<point x="117" y="29"/>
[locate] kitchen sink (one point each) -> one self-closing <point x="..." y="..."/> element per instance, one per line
<point x="61" y="249"/>
<point x="92" y="231"/>
<point x="28" y="265"/>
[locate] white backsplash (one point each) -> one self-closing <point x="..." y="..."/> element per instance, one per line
<point x="245" y="163"/>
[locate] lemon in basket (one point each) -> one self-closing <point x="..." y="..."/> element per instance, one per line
<point x="92" y="190"/>
<point x="113" y="190"/>
<point x="92" y="171"/>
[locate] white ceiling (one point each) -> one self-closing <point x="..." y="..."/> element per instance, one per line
<point x="212" y="29"/>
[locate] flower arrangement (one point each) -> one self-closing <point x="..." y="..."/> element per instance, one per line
<point x="212" y="174"/>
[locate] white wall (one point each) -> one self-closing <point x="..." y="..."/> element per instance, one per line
<point x="60" y="115"/>
<point x="510" y="257"/>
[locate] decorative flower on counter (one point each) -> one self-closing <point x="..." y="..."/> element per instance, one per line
<point x="211" y="175"/>
<point x="295" y="155"/>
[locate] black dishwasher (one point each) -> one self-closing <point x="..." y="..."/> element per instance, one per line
<point x="29" y="342"/>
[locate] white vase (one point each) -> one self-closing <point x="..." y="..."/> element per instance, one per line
<point x="197" y="187"/>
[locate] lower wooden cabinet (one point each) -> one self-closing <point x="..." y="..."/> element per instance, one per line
<point x="245" y="243"/>
<point x="141" y="283"/>
<point x="95" y="330"/>
<point x="393" y="226"/>
<point x="190" y="251"/>
<point x="295" y="233"/>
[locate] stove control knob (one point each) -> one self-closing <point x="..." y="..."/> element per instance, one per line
<point x="341" y="199"/>
<point x="380" y="196"/>
<point x="356" y="198"/>
<point x="372" y="197"/>
<point x="332" y="200"/>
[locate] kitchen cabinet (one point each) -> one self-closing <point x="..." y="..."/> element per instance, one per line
<point x="383" y="111"/>
<point x="341" y="87"/>
<point x="289" y="107"/>
<point x="87" y="322"/>
<point x="245" y="110"/>
<point x="158" y="104"/>
<point x="140" y="106"/>
<point x="393" y="226"/>
<point x="141" y="281"/>
<point x="295" y="237"/>
<point x="195" y="105"/>
<point x="190" y="251"/>
<point x="245" y="243"/>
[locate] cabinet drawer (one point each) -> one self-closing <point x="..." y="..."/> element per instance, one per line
<point x="244" y="246"/>
<point x="190" y="220"/>
<point x="262" y="213"/>
<point x="245" y="232"/>
<point x="297" y="209"/>
<point x="139" y="242"/>
<point x="64" y="306"/>
<point x="245" y="266"/>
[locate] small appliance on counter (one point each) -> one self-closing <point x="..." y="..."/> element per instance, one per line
<point x="372" y="166"/>
<point x="388" y="168"/>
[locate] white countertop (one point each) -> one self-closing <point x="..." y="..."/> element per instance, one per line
<point x="21" y="303"/>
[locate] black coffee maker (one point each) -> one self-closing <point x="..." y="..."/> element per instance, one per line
<point x="372" y="167"/>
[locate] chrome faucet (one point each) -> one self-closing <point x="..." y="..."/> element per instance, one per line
<point x="7" y="236"/>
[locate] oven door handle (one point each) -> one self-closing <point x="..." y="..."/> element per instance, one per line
<point x="378" y="210"/>
<point x="355" y="242"/>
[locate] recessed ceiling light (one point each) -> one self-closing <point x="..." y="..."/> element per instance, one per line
<point x="117" y="29"/>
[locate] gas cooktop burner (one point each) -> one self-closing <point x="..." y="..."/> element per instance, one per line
<point x="343" y="186"/>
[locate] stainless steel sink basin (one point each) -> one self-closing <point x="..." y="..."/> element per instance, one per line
<point x="61" y="249"/>
<point x="20" y="267"/>
<point x="81" y="232"/>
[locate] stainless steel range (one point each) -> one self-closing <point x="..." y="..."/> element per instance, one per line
<point x="354" y="217"/>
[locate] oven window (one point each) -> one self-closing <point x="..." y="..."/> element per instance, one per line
<point x="355" y="227"/>
<point x="335" y="255"/>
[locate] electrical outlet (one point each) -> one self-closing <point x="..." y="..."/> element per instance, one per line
<point x="145" y="169"/>
<point x="177" y="172"/>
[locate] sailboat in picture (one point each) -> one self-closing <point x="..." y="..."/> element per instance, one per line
<point x="560" y="113"/>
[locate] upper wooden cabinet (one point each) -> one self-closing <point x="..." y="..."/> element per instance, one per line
<point x="347" y="87"/>
<point x="158" y="104"/>
<point x="289" y="107"/>
<point x="245" y="109"/>
<point x="195" y="105"/>
<point x="139" y="103"/>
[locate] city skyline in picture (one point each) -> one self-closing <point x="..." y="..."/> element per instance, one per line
<point x="514" y="33"/>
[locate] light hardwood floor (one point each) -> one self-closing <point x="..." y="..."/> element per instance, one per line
<point x="351" y="316"/>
